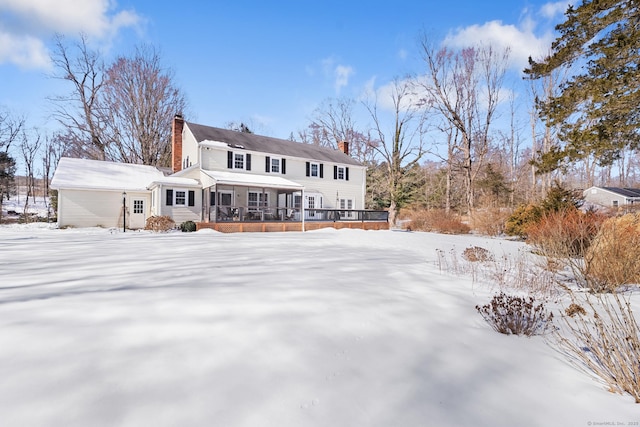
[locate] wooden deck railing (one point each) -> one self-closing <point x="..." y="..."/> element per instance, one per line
<point x="277" y="214"/>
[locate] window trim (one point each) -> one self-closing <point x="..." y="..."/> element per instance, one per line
<point x="260" y="202"/>
<point x="138" y="206"/>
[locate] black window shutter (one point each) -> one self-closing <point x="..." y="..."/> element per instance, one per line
<point x="229" y="159"/>
<point x="212" y="200"/>
<point x="346" y="174"/>
<point x="192" y="198"/>
<point x="321" y="170"/>
<point x="308" y="168"/>
<point x="335" y="172"/>
<point x="169" y="197"/>
<point x="267" y="164"/>
<point x="248" y="156"/>
<point x="283" y="166"/>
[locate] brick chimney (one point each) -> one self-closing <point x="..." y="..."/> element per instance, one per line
<point x="176" y="143"/>
<point x="344" y="147"/>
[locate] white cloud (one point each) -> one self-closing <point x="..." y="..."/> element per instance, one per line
<point x="29" y="22"/>
<point x="342" y="74"/>
<point x="553" y="10"/>
<point x="522" y="40"/>
<point x="24" y="51"/>
<point x="530" y="37"/>
<point x="339" y="74"/>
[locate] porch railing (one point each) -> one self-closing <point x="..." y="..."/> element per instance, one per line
<point x="274" y="214"/>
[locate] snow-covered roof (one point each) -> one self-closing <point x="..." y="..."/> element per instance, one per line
<point x="101" y="175"/>
<point x="176" y="180"/>
<point x="252" y="180"/>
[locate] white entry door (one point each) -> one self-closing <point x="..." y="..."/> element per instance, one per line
<point x="136" y="214"/>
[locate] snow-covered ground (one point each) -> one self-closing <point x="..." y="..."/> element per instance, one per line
<point x="325" y="328"/>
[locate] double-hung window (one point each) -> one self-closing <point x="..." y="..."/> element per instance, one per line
<point x="238" y="160"/>
<point x="314" y="169"/>
<point x="341" y="172"/>
<point x="275" y="165"/>
<point x="181" y="197"/>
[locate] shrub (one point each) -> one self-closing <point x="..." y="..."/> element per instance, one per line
<point x="566" y="233"/>
<point x="188" y="226"/>
<point x="490" y="222"/>
<point x="558" y="199"/>
<point x="521" y="219"/>
<point x="160" y="223"/>
<point x="436" y="220"/>
<point x="612" y="259"/>
<point x="510" y="314"/>
<point x="477" y="254"/>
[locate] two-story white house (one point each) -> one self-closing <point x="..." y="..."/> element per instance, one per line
<point x="232" y="181"/>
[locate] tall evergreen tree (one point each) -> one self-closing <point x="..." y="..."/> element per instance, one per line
<point x="598" y="108"/>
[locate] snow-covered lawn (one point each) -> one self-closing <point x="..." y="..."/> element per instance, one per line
<point x="326" y="328"/>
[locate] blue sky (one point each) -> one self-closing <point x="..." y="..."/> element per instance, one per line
<point x="269" y="64"/>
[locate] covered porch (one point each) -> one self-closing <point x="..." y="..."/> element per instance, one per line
<point x="238" y="202"/>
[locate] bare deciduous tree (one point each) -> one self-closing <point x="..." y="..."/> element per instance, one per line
<point x="398" y="148"/>
<point x="29" y="147"/>
<point x="79" y="110"/>
<point x="464" y="87"/>
<point x="334" y="122"/>
<point x="138" y="104"/>
<point x="10" y="127"/>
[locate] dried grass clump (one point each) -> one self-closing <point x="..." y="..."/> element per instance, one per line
<point x="160" y="223"/>
<point x="477" y="254"/>
<point x="612" y="259"/>
<point x="436" y="220"/>
<point x="605" y="342"/>
<point x="515" y="315"/>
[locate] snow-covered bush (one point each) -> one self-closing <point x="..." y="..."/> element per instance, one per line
<point x="515" y="315"/>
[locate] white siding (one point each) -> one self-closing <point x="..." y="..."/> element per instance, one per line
<point x="189" y="148"/>
<point x="354" y="188"/>
<point x="92" y="208"/>
<point x="181" y="213"/>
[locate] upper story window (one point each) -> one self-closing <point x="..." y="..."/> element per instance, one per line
<point x="315" y="170"/>
<point x="275" y="165"/>
<point x="341" y="172"/>
<point x="238" y="160"/>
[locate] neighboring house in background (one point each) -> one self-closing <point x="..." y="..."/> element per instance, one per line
<point x="612" y="197"/>
<point x="222" y="179"/>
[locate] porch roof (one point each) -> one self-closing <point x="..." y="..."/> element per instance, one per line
<point x="252" y="180"/>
